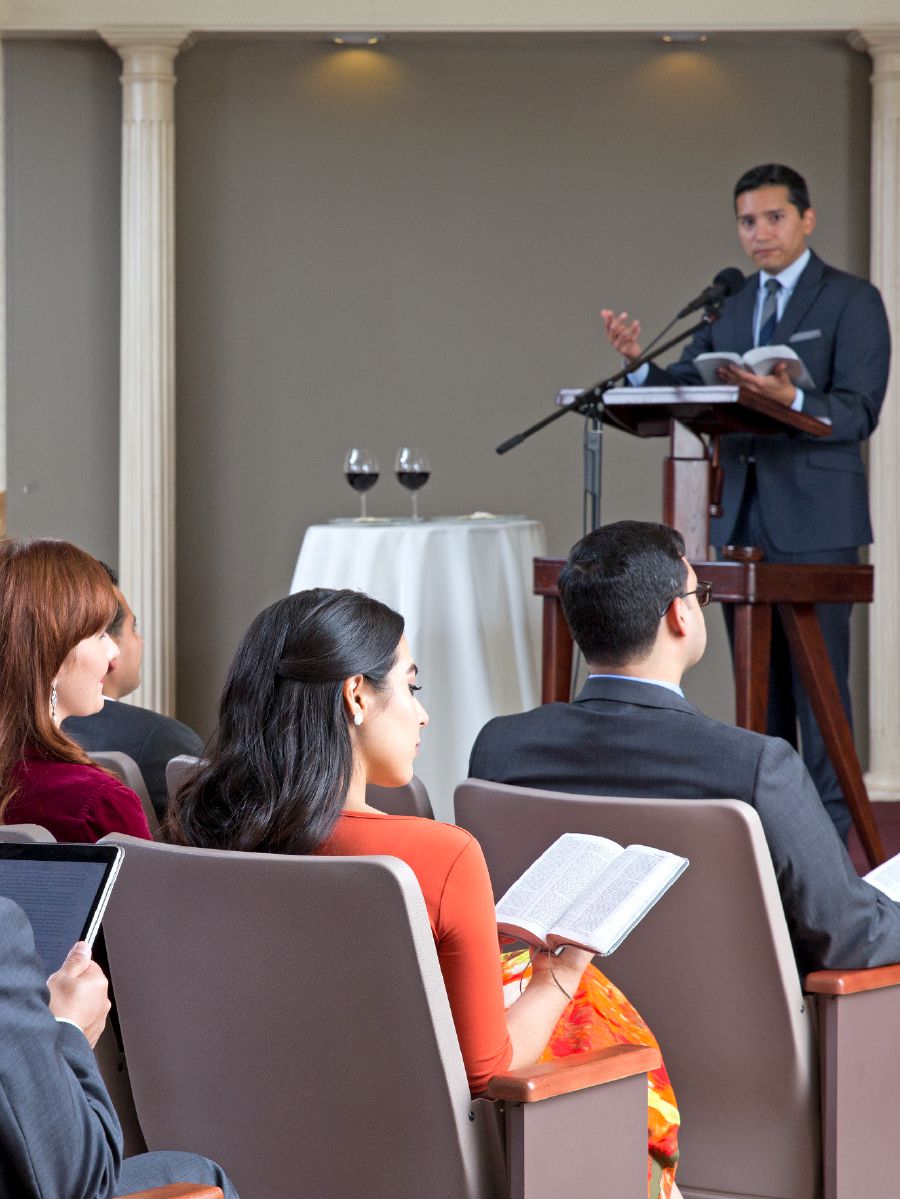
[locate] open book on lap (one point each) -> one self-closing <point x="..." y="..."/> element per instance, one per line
<point x="761" y="361"/>
<point x="586" y="891"/>
<point x="886" y="877"/>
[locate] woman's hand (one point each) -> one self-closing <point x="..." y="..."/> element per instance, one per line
<point x="564" y="969"/>
<point x="531" y="1019"/>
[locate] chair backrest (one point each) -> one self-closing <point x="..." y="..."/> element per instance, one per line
<point x="130" y="773"/>
<point x="177" y="770"/>
<point x="409" y="800"/>
<point x="26" y="833"/>
<point x="710" y="969"/>
<point x="288" y="1018"/>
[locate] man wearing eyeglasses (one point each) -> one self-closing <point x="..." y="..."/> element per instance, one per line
<point x="635" y="608"/>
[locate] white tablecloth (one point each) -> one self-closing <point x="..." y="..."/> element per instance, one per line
<point x="464" y="589"/>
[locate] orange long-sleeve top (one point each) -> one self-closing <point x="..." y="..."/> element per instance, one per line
<point x="453" y="875"/>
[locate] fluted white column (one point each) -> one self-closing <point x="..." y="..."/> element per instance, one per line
<point x="883" y="779"/>
<point x="147" y="420"/>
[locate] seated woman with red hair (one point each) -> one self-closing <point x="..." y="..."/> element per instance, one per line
<point x="55" y="604"/>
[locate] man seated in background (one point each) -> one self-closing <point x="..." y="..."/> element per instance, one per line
<point x="148" y="737"/>
<point x="634" y="606"/>
<point x="59" y="1133"/>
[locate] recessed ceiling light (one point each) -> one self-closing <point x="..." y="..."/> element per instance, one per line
<point x="684" y="38"/>
<point x="357" y="39"/>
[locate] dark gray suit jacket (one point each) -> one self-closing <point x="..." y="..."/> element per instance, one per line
<point x="621" y="737"/>
<point x="148" y="737"/>
<point x="59" y="1135"/>
<point x="812" y="490"/>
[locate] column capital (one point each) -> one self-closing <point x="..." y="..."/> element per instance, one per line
<point x="148" y="78"/>
<point x="131" y="40"/>
<point x="876" y="40"/>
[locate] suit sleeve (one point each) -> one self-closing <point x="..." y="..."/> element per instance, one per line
<point x="856" y="374"/>
<point x="59" y="1134"/>
<point x="836" y="920"/>
<point x="861" y="358"/>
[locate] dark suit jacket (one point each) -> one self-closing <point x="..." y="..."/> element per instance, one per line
<point x="148" y="737"/>
<point x="621" y="737"/>
<point x="59" y="1134"/>
<point x="812" y="490"/>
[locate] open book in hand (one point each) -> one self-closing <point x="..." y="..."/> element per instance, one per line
<point x="586" y="891"/>
<point x="761" y="361"/>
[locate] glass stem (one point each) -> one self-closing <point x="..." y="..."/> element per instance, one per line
<point x="415" y="505"/>
<point x="362" y="503"/>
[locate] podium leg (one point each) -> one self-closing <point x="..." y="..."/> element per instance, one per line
<point x="752" y="643"/>
<point x="814" y="667"/>
<point x="556" y="647"/>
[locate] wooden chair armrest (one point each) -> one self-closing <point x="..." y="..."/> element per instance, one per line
<point x="851" y="982"/>
<point x="529" y="1084"/>
<point x="178" y="1190"/>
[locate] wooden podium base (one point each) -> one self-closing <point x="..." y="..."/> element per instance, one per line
<point x="755" y="587"/>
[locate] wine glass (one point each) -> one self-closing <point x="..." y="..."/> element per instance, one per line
<point x="361" y="468"/>
<point x="413" y="470"/>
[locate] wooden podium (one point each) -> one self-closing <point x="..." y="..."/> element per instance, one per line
<point x="751" y="584"/>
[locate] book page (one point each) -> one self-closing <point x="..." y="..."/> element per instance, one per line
<point x="634" y="882"/>
<point x="886" y="877"/>
<point x="763" y="359"/>
<point x="708" y="364"/>
<point x="549" y="886"/>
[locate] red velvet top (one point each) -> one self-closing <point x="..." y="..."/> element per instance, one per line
<point x="452" y="873"/>
<point x="75" y="802"/>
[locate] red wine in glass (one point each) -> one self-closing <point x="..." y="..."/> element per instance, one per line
<point x="413" y="471"/>
<point x="361" y="471"/>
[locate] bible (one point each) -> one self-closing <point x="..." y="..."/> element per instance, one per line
<point x="586" y="891"/>
<point x="761" y="361"/>
<point x="886" y="877"/>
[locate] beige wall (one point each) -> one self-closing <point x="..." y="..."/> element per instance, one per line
<point x="62" y="176"/>
<point x="411" y="245"/>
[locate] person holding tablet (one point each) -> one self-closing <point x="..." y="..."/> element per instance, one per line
<point x="59" y="1133"/>
<point x="56" y="603"/>
<point x="320" y="700"/>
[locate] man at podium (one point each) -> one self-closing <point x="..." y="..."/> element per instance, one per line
<point x="797" y="497"/>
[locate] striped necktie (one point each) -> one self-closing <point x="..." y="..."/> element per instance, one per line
<point x="769" y="316"/>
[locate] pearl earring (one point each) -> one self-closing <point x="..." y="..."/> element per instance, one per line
<point x="54" y="698"/>
<point x="358" y="719"/>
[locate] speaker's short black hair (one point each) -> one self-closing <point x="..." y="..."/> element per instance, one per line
<point x="775" y="174"/>
<point x="615" y="585"/>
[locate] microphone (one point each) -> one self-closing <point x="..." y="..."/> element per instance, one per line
<point x="725" y="284"/>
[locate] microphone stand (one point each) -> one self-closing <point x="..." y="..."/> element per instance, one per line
<point x="589" y="403"/>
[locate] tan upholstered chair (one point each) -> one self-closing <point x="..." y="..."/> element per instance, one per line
<point x="129" y="772"/>
<point x="411" y="800"/>
<point x="288" y="1018"/>
<point x="712" y="971"/>
<point x="26" y="833"/>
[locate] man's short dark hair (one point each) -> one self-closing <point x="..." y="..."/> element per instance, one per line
<point x="615" y="585"/>
<point x="114" y="628"/>
<point x="774" y="174"/>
